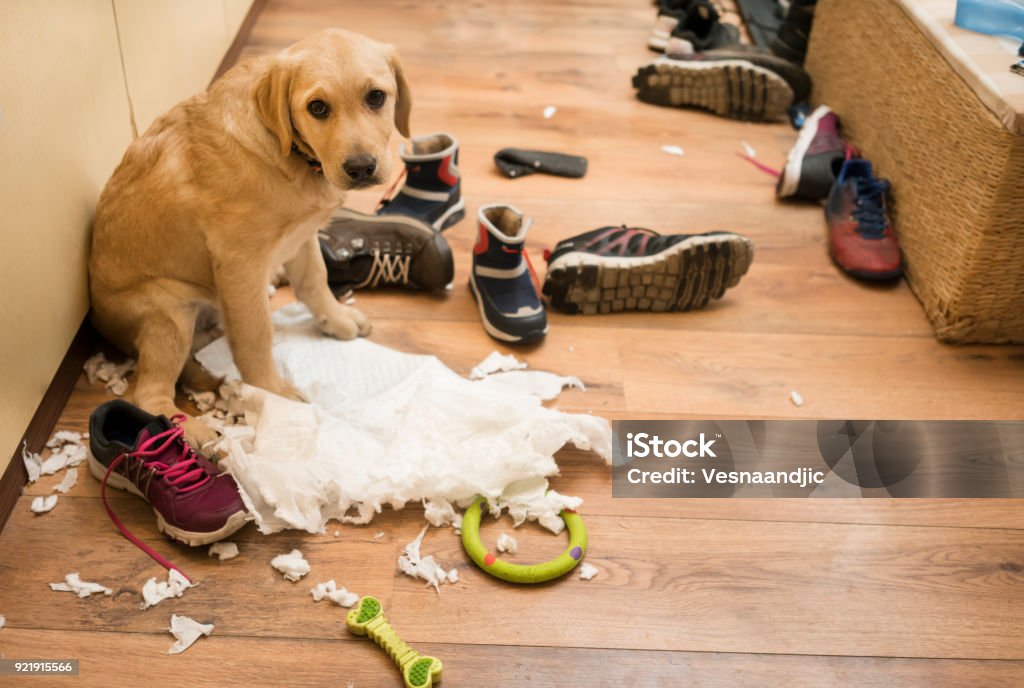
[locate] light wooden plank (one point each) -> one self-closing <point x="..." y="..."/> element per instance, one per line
<point x="232" y="661"/>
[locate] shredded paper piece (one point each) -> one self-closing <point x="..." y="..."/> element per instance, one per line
<point x="550" y="111"/>
<point x="531" y="500"/>
<point x="33" y="464"/>
<point x="379" y="535"/>
<point x="72" y="583"/>
<point x="673" y="150"/>
<point x="40" y="505"/>
<point x="496" y="363"/>
<point x="438" y="512"/>
<point x="62" y="437"/>
<point x="186" y="631"/>
<point x="293" y="565"/>
<point x="384" y="428"/>
<point x="507" y="543"/>
<point x="795" y="397"/>
<point x="154" y="592"/>
<point x="112" y="375"/>
<point x="329" y="590"/>
<point x="748" y="149"/>
<point x="69" y="481"/>
<point x="587" y="571"/>
<point x="412" y="564"/>
<point x="223" y="550"/>
<point x="3" y="621"/>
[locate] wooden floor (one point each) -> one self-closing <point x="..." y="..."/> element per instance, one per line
<point x="690" y="593"/>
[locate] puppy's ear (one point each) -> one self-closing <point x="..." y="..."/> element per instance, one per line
<point x="273" y="103"/>
<point x="403" y="105"/>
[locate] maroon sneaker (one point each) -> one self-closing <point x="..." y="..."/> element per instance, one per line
<point x="148" y="456"/>
<point x="815" y="158"/>
<point x="861" y="239"/>
<point x="631" y="269"/>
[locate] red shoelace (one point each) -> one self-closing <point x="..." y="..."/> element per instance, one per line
<point x="186" y="474"/>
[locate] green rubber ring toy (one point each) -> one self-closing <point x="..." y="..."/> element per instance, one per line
<point x="520" y="573"/>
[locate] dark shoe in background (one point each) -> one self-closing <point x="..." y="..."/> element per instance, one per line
<point x="670" y="13"/>
<point x="861" y="239"/>
<point x="502" y="279"/>
<point x="795" y="75"/>
<point x="614" y="269"/>
<point x="701" y="29"/>
<point x="432" y="190"/>
<point x="815" y="159"/>
<point x="368" y="251"/>
<point x="731" y="88"/>
<point x="793" y="35"/>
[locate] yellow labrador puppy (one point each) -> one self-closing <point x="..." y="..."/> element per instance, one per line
<point x="226" y="187"/>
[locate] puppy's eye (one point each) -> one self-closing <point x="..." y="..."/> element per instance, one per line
<point x="375" y="98"/>
<point x="318" y="109"/>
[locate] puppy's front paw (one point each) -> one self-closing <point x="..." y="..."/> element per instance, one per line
<point x="344" y="323"/>
<point x="200" y="435"/>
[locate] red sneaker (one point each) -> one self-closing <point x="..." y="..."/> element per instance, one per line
<point x="148" y="456"/>
<point x="861" y="239"/>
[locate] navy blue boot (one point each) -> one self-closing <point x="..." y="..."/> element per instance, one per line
<point x="502" y="280"/>
<point x="432" y="182"/>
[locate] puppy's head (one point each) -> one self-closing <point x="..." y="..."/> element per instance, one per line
<point x="336" y="96"/>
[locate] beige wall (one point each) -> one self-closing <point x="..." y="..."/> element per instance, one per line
<point x="64" y="124"/>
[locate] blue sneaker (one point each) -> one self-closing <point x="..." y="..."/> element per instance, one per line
<point x="432" y="191"/>
<point x="502" y="279"/>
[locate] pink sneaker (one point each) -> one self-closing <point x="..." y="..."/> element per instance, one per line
<point x="147" y="455"/>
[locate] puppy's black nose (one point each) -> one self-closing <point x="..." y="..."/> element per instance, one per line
<point x="360" y="167"/>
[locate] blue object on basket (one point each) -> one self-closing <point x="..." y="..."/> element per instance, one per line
<point x="994" y="17"/>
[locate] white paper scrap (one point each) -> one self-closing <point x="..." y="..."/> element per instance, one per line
<point x="223" y="550"/>
<point x="550" y="111"/>
<point x="186" y="631"/>
<point x="154" y="592"/>
<point x="40" y="505"/>
<point x="330" y="591"/>
<point x="587" y="571"/>
<point x="69" y="481"/>
<point x="72" y="583"/>
<point x="507" y="543"/>
<point x="795" y="397"/>
<point x="412" y="564"/>
<point x="33" y="464"/>
<point x="673" y="150"/>
<point x="292" y="565"/>
<point x="496" y="363"/>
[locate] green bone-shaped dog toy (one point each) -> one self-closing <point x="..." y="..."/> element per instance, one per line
<point x="419" y="671"/>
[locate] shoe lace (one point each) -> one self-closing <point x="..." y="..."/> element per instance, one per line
<point x="767" y="169"/>
<point x="521" y="250"/>
<point x="390" y="193"/>
<point x="389" y="268"/>
<point x="186" y="474"/>
<point x="870" y="210"/>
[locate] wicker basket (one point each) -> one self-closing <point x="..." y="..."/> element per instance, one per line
<point x="957" y="173"/>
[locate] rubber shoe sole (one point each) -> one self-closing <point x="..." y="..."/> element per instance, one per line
<point x="495" y="331"/>
<point x="731" y="88"/>
<point x="454" y="214"/>
<point x="680" y="278"/>
<point x="193" y="539"/>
